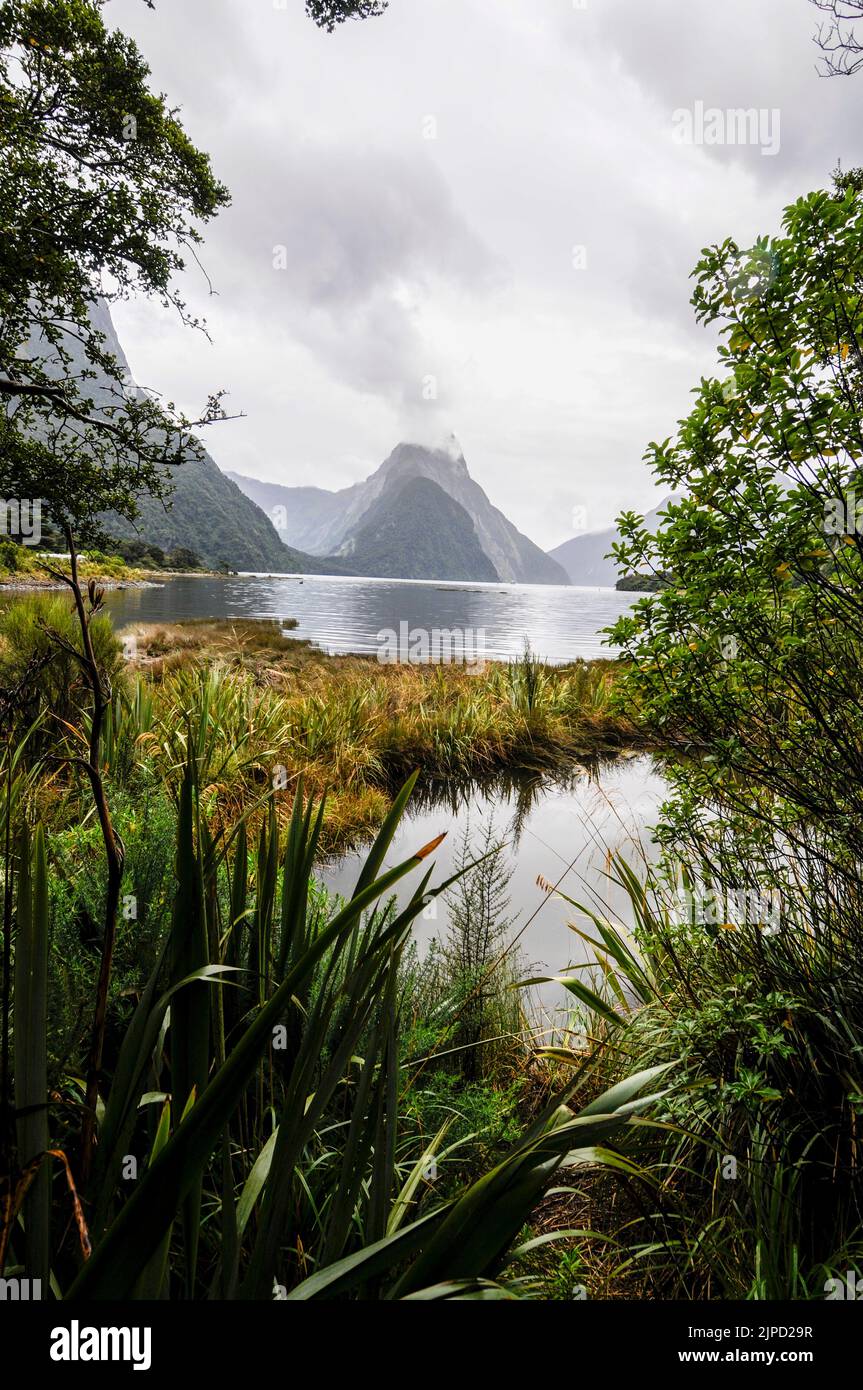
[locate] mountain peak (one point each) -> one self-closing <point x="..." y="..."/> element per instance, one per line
<point x="417" y="530"/>
<point x="439" y="458"/>
<point x="331" y="523"/>
<point x="443" y="443"/>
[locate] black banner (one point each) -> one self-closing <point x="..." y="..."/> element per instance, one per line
<point x="58" y="1341"/>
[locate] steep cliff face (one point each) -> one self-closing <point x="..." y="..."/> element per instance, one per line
<point x="323" y="522"/>
<point x="417" y="531"/>
<point x="206" y="512"/>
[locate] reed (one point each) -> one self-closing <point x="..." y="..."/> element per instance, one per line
<point x="262" y="706"/>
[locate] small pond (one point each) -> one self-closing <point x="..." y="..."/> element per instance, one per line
<point x="562" y="829"/>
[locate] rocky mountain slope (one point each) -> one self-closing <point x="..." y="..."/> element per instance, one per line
<point x="323" y="522"/>
<point x="417" y="531"/>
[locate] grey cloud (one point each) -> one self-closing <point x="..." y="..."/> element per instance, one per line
<point x="338" y="248"/>
<point x="406" y="259"/>
<point x="351" y="225"/>
<point x="736" y="56"/>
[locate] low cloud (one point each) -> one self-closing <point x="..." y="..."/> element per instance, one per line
<point x="481" y="222"/>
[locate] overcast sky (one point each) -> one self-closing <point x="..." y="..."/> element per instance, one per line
<point x="364" y="266"/>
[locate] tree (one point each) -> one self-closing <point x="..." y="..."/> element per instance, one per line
<point x="477" y="950"/>
<point x="747" y="662"/>
<point x="837" y="38"/>
<point x="329" y="13"/>
<point x="102" y="195"/>
<point x="182" y="558"/>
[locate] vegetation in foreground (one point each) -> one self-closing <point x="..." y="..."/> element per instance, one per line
<point x="214" y="1081"/>
<point x="748" y="664"/>
<point x="22" y="566"/>
<point x="216" y="846"/>
<point x="276" y="1107"/>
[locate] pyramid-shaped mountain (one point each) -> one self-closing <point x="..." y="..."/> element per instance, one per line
<point x="328" y="523"/>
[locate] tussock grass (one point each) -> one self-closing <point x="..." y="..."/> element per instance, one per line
<point x="264" y="705"/>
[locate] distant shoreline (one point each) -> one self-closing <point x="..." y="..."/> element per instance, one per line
<point x="138" y="579"/>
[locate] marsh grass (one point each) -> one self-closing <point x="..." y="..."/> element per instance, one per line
<point x="263" y="704"/>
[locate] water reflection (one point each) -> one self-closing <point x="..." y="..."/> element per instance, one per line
<point x="521" y="791"/>
<point x="561" y="828"/>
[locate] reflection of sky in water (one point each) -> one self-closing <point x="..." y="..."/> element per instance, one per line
<point x="563" y="833"/>
<point x="346" y="615"/>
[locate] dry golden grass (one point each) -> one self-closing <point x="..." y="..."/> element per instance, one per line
<point x="274" y="704"/>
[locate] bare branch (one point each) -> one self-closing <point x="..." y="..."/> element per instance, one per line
<point x="841" y="48"/>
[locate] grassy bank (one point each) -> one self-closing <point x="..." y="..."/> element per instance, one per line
<point x="320" y="1107"/>
<point x="24" y="567"/>
<point x="279" y="709"/>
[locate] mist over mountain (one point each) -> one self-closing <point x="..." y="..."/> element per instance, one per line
<point x="324" y="522"/>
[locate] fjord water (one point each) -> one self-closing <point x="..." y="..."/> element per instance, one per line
<point x="346" y="615"/>
<point x="563" y="829"/>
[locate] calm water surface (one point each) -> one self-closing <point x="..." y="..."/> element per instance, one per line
<point x="563" y="829"/>
<point x="346" y="615"/>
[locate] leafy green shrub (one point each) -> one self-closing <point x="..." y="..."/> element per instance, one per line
<point x="756" y="1166"/>
<point x="112" y="565"/>
<point x="483" y="1119"/>
<point x="12" y="557"/>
